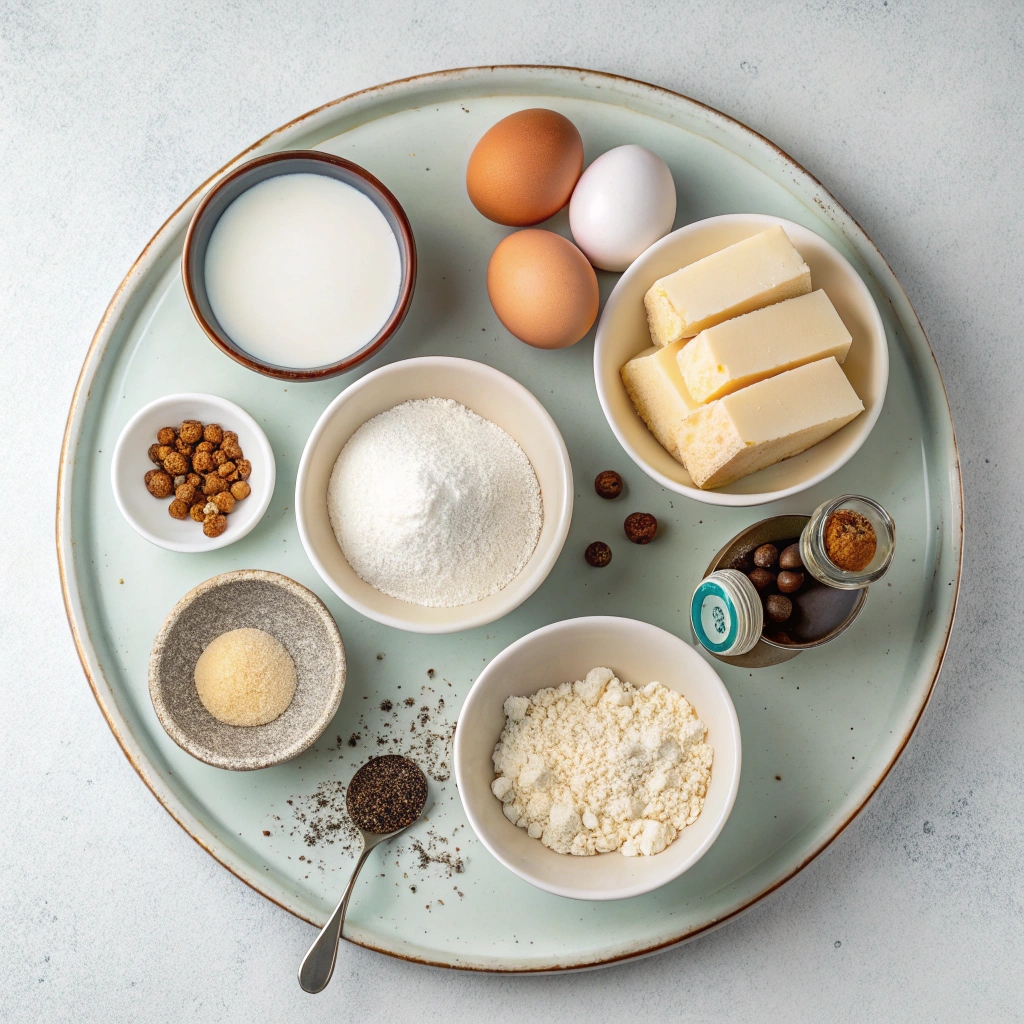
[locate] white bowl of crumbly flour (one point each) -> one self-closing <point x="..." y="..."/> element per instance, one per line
<point x="475" y="576"/>
<point x="564" y="652"/>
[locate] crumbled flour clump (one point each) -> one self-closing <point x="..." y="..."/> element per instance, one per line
<point x="600" y="765"/>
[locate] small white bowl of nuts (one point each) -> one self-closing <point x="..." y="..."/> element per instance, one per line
<point x="192" y="472"/>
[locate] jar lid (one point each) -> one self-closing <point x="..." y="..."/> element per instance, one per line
<point x="726" y="613"/>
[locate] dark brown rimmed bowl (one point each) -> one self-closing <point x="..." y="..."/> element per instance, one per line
<point x="767" y="652"/>
<point x="229" y="188"/>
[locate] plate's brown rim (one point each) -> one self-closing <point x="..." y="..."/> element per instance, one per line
<point x="391" y="325"/>
<point x="76" y="396"/>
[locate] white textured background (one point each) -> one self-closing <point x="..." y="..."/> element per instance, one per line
<point x="111" y="113"/>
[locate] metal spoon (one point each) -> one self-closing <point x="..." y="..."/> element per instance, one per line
<point x="318" y="964"/>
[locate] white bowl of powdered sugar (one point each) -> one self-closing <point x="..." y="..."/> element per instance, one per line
<point x="598" y="758"/>
<point x="434" y="494"/>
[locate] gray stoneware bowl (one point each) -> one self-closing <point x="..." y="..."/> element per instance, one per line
<point x="233" y="600"/>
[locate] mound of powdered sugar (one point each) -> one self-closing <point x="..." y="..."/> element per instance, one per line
<point x="435" y="505"/>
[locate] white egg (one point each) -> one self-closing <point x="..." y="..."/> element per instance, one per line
<point x="624" y="202"/>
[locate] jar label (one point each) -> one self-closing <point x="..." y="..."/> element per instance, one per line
<point x="713" y="617"/>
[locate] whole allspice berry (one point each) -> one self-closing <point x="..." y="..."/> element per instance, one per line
<point x="766" y="556"/>
<point x="598" y="554"/>
<point x="789" y="581"/>
<point x="790" y="558"/>
<point x="165" y="435"/>
<point x="240" y="490"/>
<point x="761" y="578"/>
<point x="178" y="509"/>
<point x="640" y="527"/>
<point x="213" y="433"/>
<point x="778" y="607"/>
<point x="608" y="484"/>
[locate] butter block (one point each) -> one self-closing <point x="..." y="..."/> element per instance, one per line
<point x="756" y="272"/>
<point x="767" y="422"/>
<point x="658" y="393"/>
<point x="758" y="345"/>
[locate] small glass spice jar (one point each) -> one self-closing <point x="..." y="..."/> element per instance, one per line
<point x="815" y="543"/>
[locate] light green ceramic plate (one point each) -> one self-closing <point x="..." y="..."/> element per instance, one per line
<point x="819" y="733"/>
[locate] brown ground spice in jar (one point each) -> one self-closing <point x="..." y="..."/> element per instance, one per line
<point x="386" y="794"/>
<point x="850" y="540"/>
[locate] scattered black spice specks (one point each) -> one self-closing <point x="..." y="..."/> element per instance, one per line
<point x="322" y="818"/>
<point x="434" y="852"/>
<point x="386" y="705"/>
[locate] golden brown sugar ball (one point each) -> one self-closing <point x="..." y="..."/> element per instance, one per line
<point x="214" y="484"/>
<point x="524" y="168"/>
<point x="159" y="483"/>
<point x="543" y="288"/>
<point x="191" y="431"/>
<point x="176" y="464"/>
<point x="214" y="524"/>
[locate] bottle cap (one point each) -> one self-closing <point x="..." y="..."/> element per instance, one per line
<point x="726" y="613"/>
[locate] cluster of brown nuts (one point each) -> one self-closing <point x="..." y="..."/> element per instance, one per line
<point x="778" y="577"/>
<point x="204" y="468"/>
<point x="639" y="527"/>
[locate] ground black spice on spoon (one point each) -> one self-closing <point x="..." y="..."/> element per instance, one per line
<point x="386" y="794"/>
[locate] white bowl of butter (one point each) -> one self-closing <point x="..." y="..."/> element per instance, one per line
<point x="623" y="333"/>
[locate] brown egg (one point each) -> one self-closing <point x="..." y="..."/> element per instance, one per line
<point x="543" y="288"/>
<point x="525" y="167"/>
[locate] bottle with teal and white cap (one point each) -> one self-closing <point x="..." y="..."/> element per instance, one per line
<point x="726" y="613"/>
